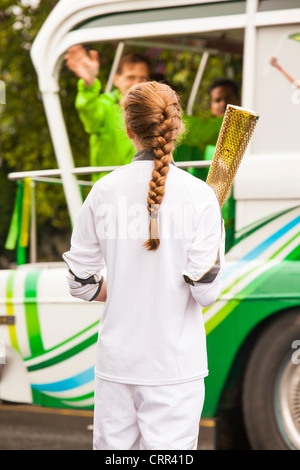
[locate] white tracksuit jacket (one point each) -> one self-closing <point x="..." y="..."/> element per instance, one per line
<point x="152" y="330"/>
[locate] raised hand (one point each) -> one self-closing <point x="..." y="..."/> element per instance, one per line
<point x="274" y="62"/>
<point x="85" y="65"/>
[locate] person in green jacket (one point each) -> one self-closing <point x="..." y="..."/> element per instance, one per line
<point x="100" y="113"/>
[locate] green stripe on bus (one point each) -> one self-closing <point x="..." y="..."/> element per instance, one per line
<point x="31" y="312"/>
<point x="87" y="396"/>
<point x="285" y="245"/>
<point x="213" y="322"/>
<point x="244" y="294"/>
<point x="294" y="255"/>
<point x="65" y="355"/>
<point x="65" y="342"/>
<point x="43" y="399"/>
<point x="252" y="228"/>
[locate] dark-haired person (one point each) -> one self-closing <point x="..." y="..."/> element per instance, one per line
<point x="100" y="113"/>
<point x="164" y="257"/>
<point x="202" y="132"/>
<point x="222" y="92"/>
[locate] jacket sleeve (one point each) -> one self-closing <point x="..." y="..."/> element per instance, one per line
<point x="85" y="260"/>
<point x="90" y="107"/>
<point x="206" y="256"/>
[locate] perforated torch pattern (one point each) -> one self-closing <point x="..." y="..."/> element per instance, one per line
<point x="236" y="131"/>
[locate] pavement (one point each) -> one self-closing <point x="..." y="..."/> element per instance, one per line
<point x="27" y="427"/>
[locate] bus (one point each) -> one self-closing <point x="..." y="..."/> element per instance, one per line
<point x="48" y="339"/>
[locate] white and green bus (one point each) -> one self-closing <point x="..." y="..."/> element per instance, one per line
<point x="48" y="339"/>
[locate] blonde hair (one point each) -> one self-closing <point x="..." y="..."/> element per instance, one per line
<point x="152" y="111"/>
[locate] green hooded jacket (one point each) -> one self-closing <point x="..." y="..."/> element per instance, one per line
<point x="102" y="118"/>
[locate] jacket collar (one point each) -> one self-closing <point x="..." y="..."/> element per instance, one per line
<point x="146" y="155"/>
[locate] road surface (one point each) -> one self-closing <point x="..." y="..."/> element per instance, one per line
<point x="26" y="427"/>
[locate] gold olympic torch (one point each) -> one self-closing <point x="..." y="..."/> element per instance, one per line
<point x="235" y="133"/>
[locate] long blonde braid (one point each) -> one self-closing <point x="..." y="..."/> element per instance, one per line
<point x="153" y="113"/>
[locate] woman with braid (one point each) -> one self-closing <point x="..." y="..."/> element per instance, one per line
<point x="158" y="232"/>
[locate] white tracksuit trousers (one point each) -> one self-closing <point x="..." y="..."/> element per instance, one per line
<point x="140" y="417"/>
